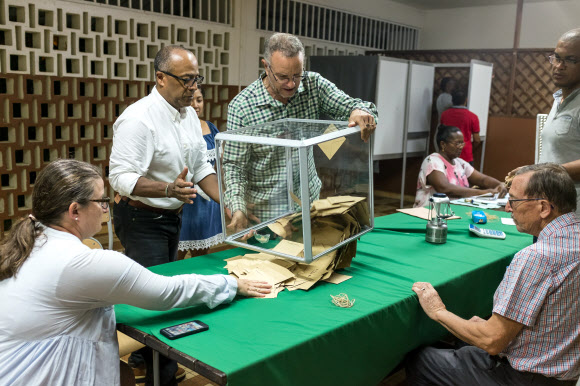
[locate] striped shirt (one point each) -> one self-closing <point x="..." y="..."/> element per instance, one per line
<point x="541" y="290"/>
<point x="255" y="175"/>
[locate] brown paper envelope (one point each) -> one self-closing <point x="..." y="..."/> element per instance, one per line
<point x="337" y="278"/>
<point x="329" y="148"/>
<point x="289" y="247"/>
<point x="421" y="213"/>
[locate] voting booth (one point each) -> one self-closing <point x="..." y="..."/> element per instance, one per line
<point x="305" y="187"/>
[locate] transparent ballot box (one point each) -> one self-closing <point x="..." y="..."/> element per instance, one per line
<point x="295" y="188"/>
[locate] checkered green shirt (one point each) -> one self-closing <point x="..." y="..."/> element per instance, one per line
<point x="255" y="175"/>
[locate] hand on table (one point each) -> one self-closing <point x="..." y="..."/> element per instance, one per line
<point x="182" y="189"/>
<point x="365" y="121"/>
<point x="429" y="299"/>
<point x="253" y="288"/>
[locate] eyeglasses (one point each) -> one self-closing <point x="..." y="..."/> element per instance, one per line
<point x="187" y="82"/>
<point x="457" y="144"/>
<point x="283" y="79"/>
<point x="103" y="201"/>
<point x="555" y="59"/>
<point x="511" y="202"/>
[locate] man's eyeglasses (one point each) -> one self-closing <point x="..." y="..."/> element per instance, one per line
<point x="103" y="201"/>
<point x="283" y="79"/>
<point x="187" y="82"/>
<point x="555" y="59"/>
<point x="523" y="199"/>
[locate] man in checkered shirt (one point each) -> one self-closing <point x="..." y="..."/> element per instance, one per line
<point x="256" y="174"/>
<point x="533" y="335"/>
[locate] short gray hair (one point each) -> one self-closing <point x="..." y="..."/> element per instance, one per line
<point x="162" y="60"/>
<point x="287" y="44"/>
<point x="552" y="182"/>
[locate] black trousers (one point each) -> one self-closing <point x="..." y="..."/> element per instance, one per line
<point x="468" y="365"/>
<point x="149" y="239"/>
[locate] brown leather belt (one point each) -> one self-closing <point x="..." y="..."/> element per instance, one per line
<point x="140" y="205"/>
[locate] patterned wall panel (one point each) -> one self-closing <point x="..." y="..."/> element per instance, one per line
<point x="532" y="89"/>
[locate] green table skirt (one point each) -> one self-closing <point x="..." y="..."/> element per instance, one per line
<point x="301" y="338"/>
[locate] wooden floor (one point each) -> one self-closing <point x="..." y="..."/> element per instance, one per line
<point x="385" y="203"/>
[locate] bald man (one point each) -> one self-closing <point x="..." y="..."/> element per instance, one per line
<point x="561" y="133"/>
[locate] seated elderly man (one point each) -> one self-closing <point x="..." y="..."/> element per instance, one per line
<point x="533" y="335"/>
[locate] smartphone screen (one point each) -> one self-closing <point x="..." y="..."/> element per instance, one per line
<point x="184" y="329"/>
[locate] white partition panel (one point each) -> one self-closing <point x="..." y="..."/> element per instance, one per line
<point x="421" y="98"/>
<point x="391" y="100"/>
<point x="480" y="75"/>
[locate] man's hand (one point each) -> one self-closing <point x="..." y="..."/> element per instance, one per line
<point x="501" y="190"/>
<point x="253" y="288"/>
<point x="240" y="222"/>
<point x="429" y="299"/>
<point x="365" y="121"/>
<point x="182" y="189"/>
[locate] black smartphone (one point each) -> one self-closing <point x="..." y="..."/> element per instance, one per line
<point x="184" y="329"/>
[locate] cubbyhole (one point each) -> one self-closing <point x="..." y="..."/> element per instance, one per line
<point x="60" y="42"/>
<point x="88" y="89"/>
<point x="45" y="64"/>
<point x="142" y="30"/>
<point x="97" y="24"/>
<point x="99" y="153"/>
<point x="141" y="71"/>
<point x="208" y="57"/>
<point x="7" y="225"/>
<point x="152" y="51"/>
<point x="120" y="70"/>
<point x="107" y="132"/>
<point x="216" y="76"/>
<point x="131" y="50"/>
<point x="227" y="41"/>
<point x="45" y="18"/>
<point x="33" y="87"/>
<point x="224" y="94"/>
<point x="32" y="178"/>
<point x="5" y="37"/>
<point x="49" y="155"/>
<point x="182" y="35"/>
<point x="200" y="37"/>
<point x="75" y="153"/>
<point x="7" y="181"/>
<point x="7" y="134"/>
<point x="120" y="27"/>
<point x="218" y="40"/>
<point x="216" y="111"/>
<point x="48" y="110"/>
<point x="16" y="14"/>
<point x="86" y="45"/>
<point x="6" y="86"/>
<point x="109" y="47"/>
<point x="62" y="133"/>
<point x="225" y="58"/>
<point x="32" y="133"/>
<point x="23" y="201"/>
<point x="20" y="110"/>
<point x="107" y="171"/>
<point x="73" y="66"/>
<point x="163" y="33"/>
<point x="18" y="63"/>
<point x="87" y="132"/>
<point x="73" y="21"/>
<point x="110" y="90"/>
<point x="131" y="90"/>
<point x="60" y="87"/>
<point x="32" y="39"/>
<point x="22" y="157"/>
<point x="98" y="110"/>
<point x="73" y="110"/>
<point x="97" y="67"/>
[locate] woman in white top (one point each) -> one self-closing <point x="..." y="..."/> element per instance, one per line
<point x="57" y="325"/>
<point x="445" y="172"/>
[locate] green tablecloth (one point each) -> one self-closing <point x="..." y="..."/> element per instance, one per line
<point x="301" y="338"/>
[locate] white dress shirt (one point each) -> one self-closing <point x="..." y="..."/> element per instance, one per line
<point x="154" y="140"/>
<point x="57" y="324"/>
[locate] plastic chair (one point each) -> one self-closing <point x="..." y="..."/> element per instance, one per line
<point x="540" y="122"/>
<point x="107" y="218"/>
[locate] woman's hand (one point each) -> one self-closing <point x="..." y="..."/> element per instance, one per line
<point x="253" y="288"/>
<point x="501" y="190"/>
